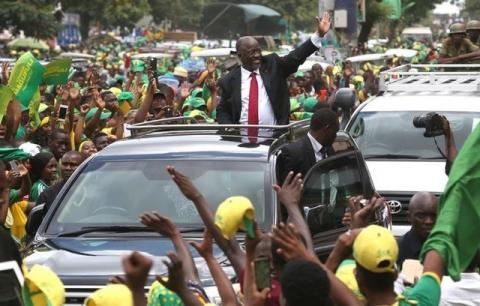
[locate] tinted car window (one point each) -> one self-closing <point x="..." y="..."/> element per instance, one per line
<point x="328" y="186"/>
<point x="384" y="133"/>
<point x="117" y="192"/>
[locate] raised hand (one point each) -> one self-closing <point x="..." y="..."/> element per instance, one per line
<point x="361" y="216"/>
<point x="185" y="90"/>
<point x="290" y="192"/>
<point x="211" y="65"/>
<point x="97" y="99"/>
<point x="176" y="276"/>
<point x="163" y="225"/>
<point x="324" y="24"/>
<point x="136" y="268"/>
<point x="253" y="297"/>
<point x="205" y="249"/>
<point x="84" y="109"/>
<point x="184" y="184"/>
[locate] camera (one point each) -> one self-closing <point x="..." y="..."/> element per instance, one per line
<point x="432" y="122"/>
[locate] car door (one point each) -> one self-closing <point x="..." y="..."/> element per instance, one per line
<point x="327" y="187"/>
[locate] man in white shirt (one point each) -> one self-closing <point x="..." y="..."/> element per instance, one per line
<point x="301" y="155"/>
<point x="257" y="92"/>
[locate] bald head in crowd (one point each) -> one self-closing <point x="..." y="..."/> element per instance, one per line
<point x="423" y="213"/>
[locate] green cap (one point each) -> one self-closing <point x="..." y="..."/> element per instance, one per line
<point x="125" y="96"/>
<point x="193" y="102"/>
<point x="104" y="116"/>
<point x="294" y="105"/>
<point x="199" y="115"/>
<point x="302" y="115"/>
<point x="309" y="104"/>
<point x="299" y="74"/>
<point x="197" y="93"/>
<point x="137" y="66"/>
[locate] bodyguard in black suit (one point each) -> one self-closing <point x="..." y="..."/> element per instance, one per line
<point x="263" y="79"/>
<point x="301" y="155"/>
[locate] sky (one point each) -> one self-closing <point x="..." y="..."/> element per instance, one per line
<point x="446" y="8"/>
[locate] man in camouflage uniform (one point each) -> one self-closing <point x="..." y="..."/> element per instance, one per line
<point x="457" y="42"/>
<point x="473" y="31"/>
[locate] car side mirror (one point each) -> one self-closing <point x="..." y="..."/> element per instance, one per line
<point x="345" y="99"/>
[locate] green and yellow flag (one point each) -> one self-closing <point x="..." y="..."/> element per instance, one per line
<point x="27" y="74"/>
<point x="5" y="96"/>
<point x="455" y="235"/>
<point x="57" y="72"/>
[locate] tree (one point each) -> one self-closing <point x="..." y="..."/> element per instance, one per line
<point x="34" y="18"/>
<point x="184" y="14"/>
<point x="472" y="9"/>
<point x="375" y="11"/>
<point x="107" y="13"/>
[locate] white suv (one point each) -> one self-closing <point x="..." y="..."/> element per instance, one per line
<point x="401" y="161"/>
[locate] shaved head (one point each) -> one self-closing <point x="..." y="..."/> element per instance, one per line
<point x="244" y="41"/>
<point x="422" y="213"/>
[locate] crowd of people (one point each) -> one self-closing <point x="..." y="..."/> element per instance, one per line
<point x="42" y="146"/>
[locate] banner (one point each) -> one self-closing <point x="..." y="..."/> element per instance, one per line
<point x="57" y="72"/>
<point x="27" y="74"/>
<point x="33" y="109"/>
<point x="5" y="96"/>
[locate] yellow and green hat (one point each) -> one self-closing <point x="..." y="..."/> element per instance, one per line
<point x="233" y="214"/>
<point x="43" y="288"/>
<point x="111" y="295"/>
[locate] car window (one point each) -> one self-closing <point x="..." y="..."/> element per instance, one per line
<point x="327" y="187"/>
<point x="393" y="133"/>
<point x="117" y="192"/>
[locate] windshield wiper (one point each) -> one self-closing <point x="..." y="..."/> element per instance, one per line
<point x="121" y="229"/>
<point x="392" y="156"/>
<point x="113" y="228"/>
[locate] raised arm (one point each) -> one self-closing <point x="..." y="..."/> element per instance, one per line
<point x="224" y="286"/>
<point x="289" y="195"/>
<point x="142" y="112"/>
<point x="80" y="126"/>
<point x="165" y="227"/>
<point x="231" y="248"/>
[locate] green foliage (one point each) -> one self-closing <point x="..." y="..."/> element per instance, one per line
<point x="184" y="14"/>
<point x="35" y="18"/>
<point x="472" y="9"/>
<point x="419" y="10"/>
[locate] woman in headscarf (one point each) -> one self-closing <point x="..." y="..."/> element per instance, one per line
<point x="42" y="173"/>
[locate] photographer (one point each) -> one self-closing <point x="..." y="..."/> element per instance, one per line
<point x="450" y="148"/>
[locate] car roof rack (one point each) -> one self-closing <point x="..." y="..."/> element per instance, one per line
<point x="292" y="130"/>
<point x="416" y="78"/>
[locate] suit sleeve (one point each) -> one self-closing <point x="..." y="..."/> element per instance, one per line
<point x="224" y="108"/>
<point x="285" y="163"/>
<point x="294" y="59"/>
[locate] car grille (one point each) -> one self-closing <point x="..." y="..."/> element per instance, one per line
<point x="401" y="217"/>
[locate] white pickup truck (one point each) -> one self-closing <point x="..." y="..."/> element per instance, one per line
<point x="401" y="161"/>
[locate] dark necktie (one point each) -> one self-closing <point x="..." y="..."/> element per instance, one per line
<point x="323" y="152"/>
<point x="253" y="108"/>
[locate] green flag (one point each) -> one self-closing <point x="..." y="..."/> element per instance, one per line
<point x="5" y="96"/>
<point x="33" y="109"/>
<point x="455" y="235"/>
<point x="57" y="72"/>
<point x="26" y="75"/>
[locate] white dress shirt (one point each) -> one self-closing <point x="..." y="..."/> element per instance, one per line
<point x="316" y="147"/>
<point x="265" y="110"/>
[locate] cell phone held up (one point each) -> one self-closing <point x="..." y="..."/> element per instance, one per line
<point x="262" y="272"/>
<point x="62" y="112"/>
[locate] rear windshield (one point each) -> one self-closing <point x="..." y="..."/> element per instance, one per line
<point x="117" y="192"/>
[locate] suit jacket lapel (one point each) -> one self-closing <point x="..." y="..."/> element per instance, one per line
<point x="266" y="78"/>
<point x="236" y="88"/>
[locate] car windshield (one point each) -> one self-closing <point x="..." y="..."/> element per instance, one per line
<point x="115" y="193"/>
<point x="392" y="134"/>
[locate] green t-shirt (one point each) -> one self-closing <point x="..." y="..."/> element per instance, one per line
<point x="37" y="188"/>
<point x="425" y="293"/>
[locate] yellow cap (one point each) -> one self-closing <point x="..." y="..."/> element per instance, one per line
<point x="116" y="91"/>
<point x="43" y="287"/>
<point x="375" y="249"/>
<point x="111" y="295"/>
<point x="232" y="214"/>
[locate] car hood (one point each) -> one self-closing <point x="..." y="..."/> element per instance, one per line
<point x="408" y="176"/>
<point x="76" y="266"/>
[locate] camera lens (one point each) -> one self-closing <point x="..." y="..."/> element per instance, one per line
<point x="419" y="121"/>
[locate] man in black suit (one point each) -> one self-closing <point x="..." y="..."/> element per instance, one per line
<point x="301" y="155"/>
<point x="257" y="92"/>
